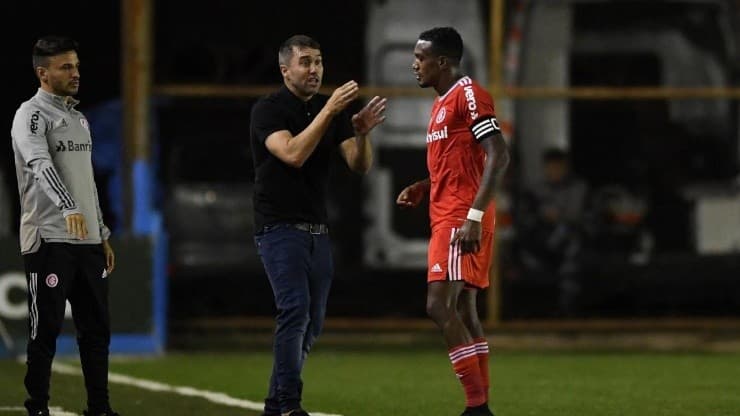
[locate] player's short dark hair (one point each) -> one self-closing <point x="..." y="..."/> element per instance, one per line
<point x="446" y="41"/>
<point x="555" y="154"/>
<point x="52" y="45"/>
<point x="299" y="41"/>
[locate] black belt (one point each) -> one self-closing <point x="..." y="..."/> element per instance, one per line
<point x="303" y="226"/>
<point x="311" y="228"/>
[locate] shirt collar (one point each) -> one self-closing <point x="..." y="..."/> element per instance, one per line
<point x="288" y="95"/>
<point x="64" y="102"/>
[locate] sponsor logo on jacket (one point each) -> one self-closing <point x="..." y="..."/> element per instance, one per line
<point x="71" y="146"/>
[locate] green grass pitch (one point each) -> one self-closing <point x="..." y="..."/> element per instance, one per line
<point x="409" y="381"/>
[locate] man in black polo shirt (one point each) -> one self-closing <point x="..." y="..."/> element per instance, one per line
<point x="294" y="134"/>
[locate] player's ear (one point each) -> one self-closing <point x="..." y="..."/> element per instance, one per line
<point x="41" y="73"/>
<point x="442" y="61"/>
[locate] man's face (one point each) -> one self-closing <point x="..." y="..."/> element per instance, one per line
<point x="426" y="66"/>
<point x="304" y="71"/>
<point x="62" y="74"/>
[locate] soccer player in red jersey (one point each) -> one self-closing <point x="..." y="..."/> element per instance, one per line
<point x="466" y="156"/>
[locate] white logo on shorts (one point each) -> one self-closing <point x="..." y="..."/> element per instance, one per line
<point x="105" y="274"/>
<point x="52" y="280"/>
<point x="436" y="268"/>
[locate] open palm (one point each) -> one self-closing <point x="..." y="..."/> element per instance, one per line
<point x="370" y="116"/>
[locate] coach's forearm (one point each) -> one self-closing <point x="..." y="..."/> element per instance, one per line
<point x="300" y="147"/>
<point x="362" y="160"/>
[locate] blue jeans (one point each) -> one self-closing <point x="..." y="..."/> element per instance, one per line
<point x="300" y="269"/>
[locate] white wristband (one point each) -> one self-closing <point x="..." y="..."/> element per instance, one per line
<point x="475" y="215"/>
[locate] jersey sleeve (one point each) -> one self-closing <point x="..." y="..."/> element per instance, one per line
<point x="266" y="118"/>
<point x="476" y="106"/>
<point x="29" y="136"/>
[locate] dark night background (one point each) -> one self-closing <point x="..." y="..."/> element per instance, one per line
<point x="226" y="42"/>
<point x="235" y="42"/>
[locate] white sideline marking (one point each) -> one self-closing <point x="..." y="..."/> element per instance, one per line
<point x="211" y="396"/>
<point x="53" y="411"/>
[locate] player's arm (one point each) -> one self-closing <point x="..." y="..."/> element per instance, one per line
<point x="29" y="135"/>
<point x="104" y="230"/>
<point x="497" y="159"/>
<point x="357" y="151"/>
<point x="412" y="195"/>
<point x="295" y="150"/>
<point x="477" y="107"/>
<point x="110" y="257"/>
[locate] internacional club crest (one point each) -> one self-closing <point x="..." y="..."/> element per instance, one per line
<point x="440" y="115"/>
<point x="52" y="280"/>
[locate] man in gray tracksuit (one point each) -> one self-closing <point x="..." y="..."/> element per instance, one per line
<point x="63" y="239"/>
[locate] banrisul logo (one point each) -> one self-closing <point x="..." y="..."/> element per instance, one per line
<point x="71" y="146"/>
<point x="435" y="135"/>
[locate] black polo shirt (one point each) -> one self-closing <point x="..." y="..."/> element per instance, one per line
<point x="284" y="194"/>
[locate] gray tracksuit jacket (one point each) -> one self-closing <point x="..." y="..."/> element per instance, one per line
<point x="53" y="163"/>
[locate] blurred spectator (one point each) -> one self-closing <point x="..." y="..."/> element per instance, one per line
<point x="618" y="226"/>
<point x="550" y="219"/>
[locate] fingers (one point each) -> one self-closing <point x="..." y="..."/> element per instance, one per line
<point x="349" y="91"/>
<point x="467" y="246"/>
<point x="474" y="246"/>
<point x="372" y="102"/>
<point x="110" y="260"/>
<point x="378" y="105"/>
<point x="343" y="95"/>
<point x="110" y="257"/>
<point x="405" y="200"/>
<point x="76" y="226"/>
<point x="455" y="238"/>
<point x="470" y="247"/>
<point x="350" y="84"/>
<point x="370" y="116"/>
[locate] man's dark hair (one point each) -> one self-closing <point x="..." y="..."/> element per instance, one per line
<point x="446" y="41"/>
<point x="555" y="154"/>
<point x="299" y="41"/>
<point x="49" y="46"/>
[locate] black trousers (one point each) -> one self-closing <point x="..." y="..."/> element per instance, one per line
<point x="58" y="272"/>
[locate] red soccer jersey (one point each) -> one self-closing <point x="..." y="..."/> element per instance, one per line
<point x="455" y="159"/>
